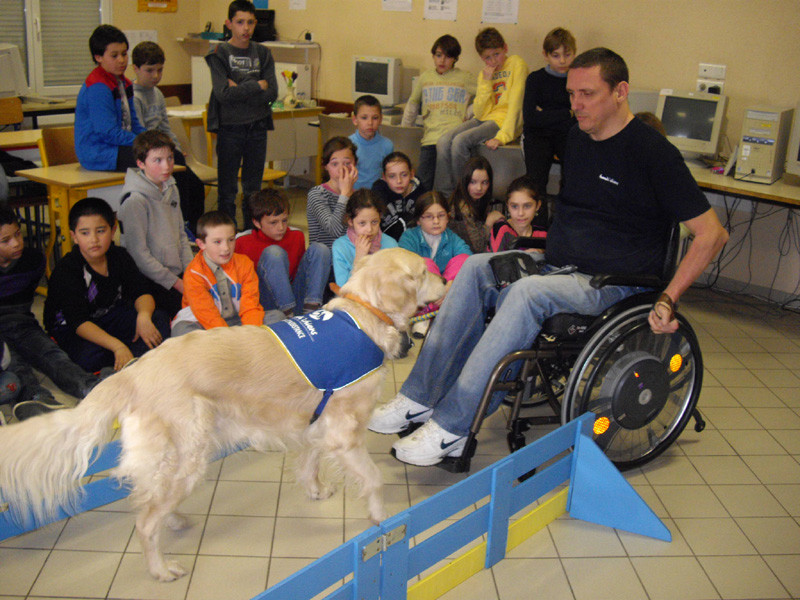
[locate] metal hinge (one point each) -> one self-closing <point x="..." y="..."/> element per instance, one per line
<point x="383" y="542"/>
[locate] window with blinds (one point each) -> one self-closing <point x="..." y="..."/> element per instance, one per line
<point x="53" y="38"/>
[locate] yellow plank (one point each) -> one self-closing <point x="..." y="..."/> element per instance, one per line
<point x="465" y="566"/>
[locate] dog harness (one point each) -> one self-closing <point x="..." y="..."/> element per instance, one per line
<point x="329" y="349"/>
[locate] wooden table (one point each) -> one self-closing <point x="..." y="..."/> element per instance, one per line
<point x="22" y="138"/>
<point x="781" y="192"/>
<point x="66" y="184"/>
<point x="34" y="110"/>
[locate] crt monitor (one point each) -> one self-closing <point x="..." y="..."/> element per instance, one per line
<point x="793" y="151"/>
<point x="693" y="120"/>
<point x="379" y="76"/>
<point x="12" y="74"/>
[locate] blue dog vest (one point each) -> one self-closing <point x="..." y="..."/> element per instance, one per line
<point x="329" y="349"/>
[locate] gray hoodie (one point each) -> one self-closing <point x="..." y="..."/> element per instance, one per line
<point x="152" y="229"/>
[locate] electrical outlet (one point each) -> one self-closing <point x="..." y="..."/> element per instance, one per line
<point x="710" y="71"/>
<point x="710" y="86"/>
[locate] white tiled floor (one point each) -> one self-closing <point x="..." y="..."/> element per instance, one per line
<point x="730" y="495"/>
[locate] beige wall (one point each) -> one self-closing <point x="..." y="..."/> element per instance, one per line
<point x="662" y="40"/>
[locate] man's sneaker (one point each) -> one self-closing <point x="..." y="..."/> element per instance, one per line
<point x="428" y="445"/>
<point x="397" y="414"/>
<point x="34" y="408"/>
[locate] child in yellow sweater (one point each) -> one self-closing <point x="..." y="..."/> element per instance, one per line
<point x="497" y="108"/>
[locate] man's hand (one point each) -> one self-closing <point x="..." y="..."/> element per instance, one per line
<point x="263" y="84"/>
<point x="492" y="144"/>
<point x="662" y="316"/>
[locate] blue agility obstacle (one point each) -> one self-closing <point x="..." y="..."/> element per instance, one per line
<point x="380" y="562"/>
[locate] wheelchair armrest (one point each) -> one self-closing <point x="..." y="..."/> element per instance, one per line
<point x="651" y="281"/>
<point x="523" y="243"/>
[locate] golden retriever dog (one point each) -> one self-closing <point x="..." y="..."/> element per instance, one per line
<point x="183" y="402"/>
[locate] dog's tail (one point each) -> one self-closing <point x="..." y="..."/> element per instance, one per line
<point x="43" y="459"/>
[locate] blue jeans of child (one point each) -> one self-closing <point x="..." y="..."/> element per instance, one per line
<point x="275" y="288"/>
<point x="460" y="351"/>
<point x="242" y="146"/>
<point x="31" y="347"/>
<point x="454" y="149"/>
<point x="120" y="322"/>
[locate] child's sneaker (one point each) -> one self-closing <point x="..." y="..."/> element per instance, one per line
<point x="428" y="445"/>
<point x="34" y="407"/>
<point x="397" y="414"/>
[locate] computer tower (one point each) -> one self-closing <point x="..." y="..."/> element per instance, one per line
<point x="762" y="149"/>
<point x="265" y="26"/>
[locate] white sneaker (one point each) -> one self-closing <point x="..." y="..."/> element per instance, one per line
<point x="428" y="445"/>
<point x="397" y="414"/>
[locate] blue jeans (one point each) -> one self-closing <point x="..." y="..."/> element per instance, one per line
<point x="460" y="351"/>
<point x="31" y="346"/>
<point x="242" y="146"/>
<point x="274" y="286"/>
<point x="454" y="149"/>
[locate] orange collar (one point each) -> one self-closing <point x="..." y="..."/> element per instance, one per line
<point x="375" y="311"/>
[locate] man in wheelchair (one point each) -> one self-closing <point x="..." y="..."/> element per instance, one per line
<point x="625" y="186"/>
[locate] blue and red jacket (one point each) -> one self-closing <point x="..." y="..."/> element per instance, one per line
<point x="98" y="121"/>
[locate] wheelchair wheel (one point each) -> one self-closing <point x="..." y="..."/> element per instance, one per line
<point x="643" y="387"/>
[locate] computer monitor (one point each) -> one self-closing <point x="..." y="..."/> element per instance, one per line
<point x="693" y="120"/>
<point x="12" y="74"/>
<point x="379" y="76"/>
<point x="793" y="151"/>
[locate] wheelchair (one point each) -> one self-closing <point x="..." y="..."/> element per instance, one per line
<point x="642" y="387"/>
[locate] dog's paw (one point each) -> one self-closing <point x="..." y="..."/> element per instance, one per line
<point x="321" y="492"/>
<point x="172" y="570"/>
<point x="177" y="522"/>
<point x="378" y="516"/>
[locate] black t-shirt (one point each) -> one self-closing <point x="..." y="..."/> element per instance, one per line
<point x="18" y="282"/>
<point x="77" y="293"/>
<point x="620" y="199"/>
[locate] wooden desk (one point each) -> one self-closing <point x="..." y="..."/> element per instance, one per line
<point x="290" y="139"/>
<point x="779" y="192"/>
<point x="34" y="110"/>
<point x="66" y="184"/>
<point x="22" y="138"/>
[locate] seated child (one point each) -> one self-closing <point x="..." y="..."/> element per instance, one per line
<point x="472" y="208"/>
<point x="98" y="307"/>
<point x="105" y="117"/>
<point x="522" y="204"/>
<point x="397" y="189"/>
<point x="363" y="218"/>
<point x="220" y="286"/>
<point x="546" y="110"/>
<point x="442" y="96"/>
<point x="21" y="270"/>
<point x="432" y="239"/>
<point x="151" y="221"/>
<point x="497" y="107"/>
<point x="151" y="110"/>
<point x="371" y="145"/>
<point x="326" y="202"/>
<point x="290" y="278"/>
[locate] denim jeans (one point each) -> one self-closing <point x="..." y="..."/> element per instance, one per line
<point x="276" y="291"/>
<point x="32" y="347"/>
<point x="460" y="351"/>
<point x="454" y="149"/>
<point x="242" y="146"/>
